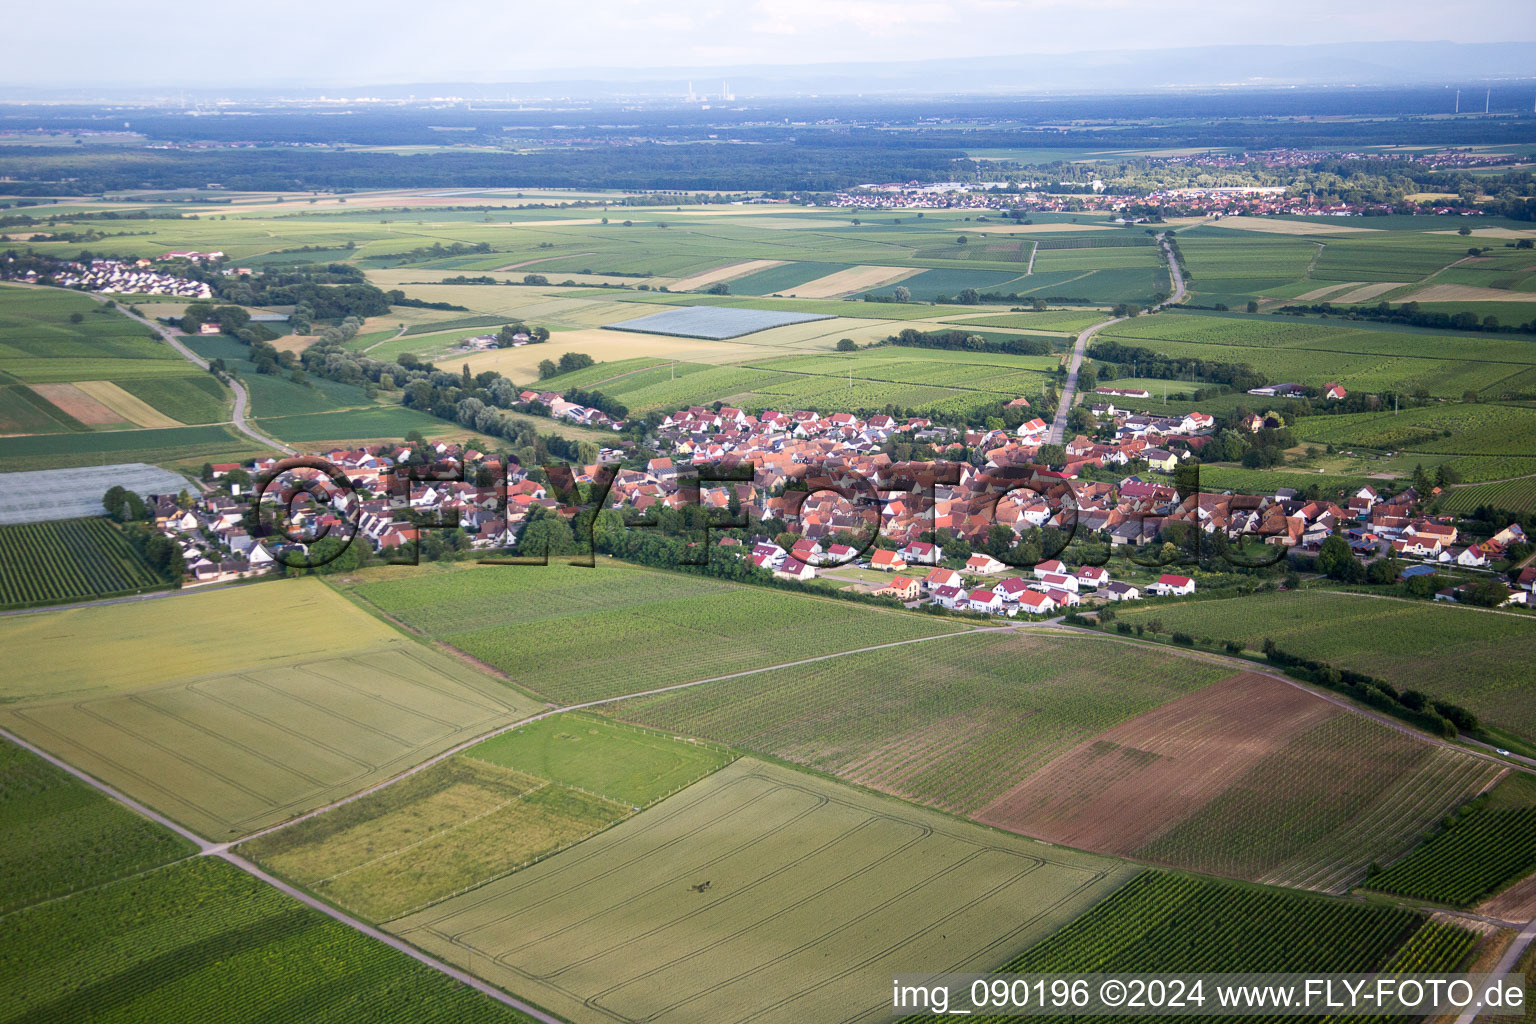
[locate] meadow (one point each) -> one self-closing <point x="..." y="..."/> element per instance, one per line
<point x="300" y="699"/>
<point x="497" y="807"/>
<point x="1468" y="656"/>
<point x="58" y="835"/>
<point x="639" y="628"/>
<point x="69" y="560"/>
<point x="761" y="892"/>
<point x="202" y="940"/>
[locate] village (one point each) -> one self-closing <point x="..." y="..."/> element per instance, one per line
<point x="826" y="501"/>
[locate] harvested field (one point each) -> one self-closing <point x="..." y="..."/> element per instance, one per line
<point x="854" y="279"/>
<point x="1125" y="787"/>
<point x="725" y="273"/>
<point x="1369" y="292"/>
<point x="1029" y="229"/>
<point x="134" y="410"/>
<point x="73" y="402"/>
<point x="1318" y="294"/>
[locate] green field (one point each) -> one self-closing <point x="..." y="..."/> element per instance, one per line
<point x="499" y="806"/>
<point x="58" y="835"/>
<point x="1061" y="734"/>
<point x="639" y="628"/>
<point x="1474" y="858"/>
<point x="815" y="894"/>
<point x="164" y="445"/>
<point x="288" y="697"/>
<point x="69" y="560"/>
<point x="379" y="422"/>
<point x="202" y="940"/>
<point x="1492" y="441"/>
<point x="1509" y="495"/>
<point x="1361" y="358"/>
<point x="1467" y="656"/>
<point x="890" y="719"/>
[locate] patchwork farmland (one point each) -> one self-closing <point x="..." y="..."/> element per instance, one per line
<point x="1462" y="655"/>
<point x="641" y="629"/>
<point x="497" y="807"/>
<point x="230" y="737"/>
<point x="761" y="891"/>
<point x="1178" y="768"/>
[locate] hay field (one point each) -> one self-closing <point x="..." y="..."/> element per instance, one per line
<point x="815" y="894"/>
<point x="236" y="709"/>
<point x="521" y="364"/>
<point x="854" y="279"/>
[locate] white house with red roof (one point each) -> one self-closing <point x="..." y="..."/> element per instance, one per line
<point x="1036" y="603"/>
<point x="984" y="564"/>
<point x="1091" y="576"/>
<point x="1169" y="585"/>
<point x="887" y="561"/>
<point x="987" y="601"/>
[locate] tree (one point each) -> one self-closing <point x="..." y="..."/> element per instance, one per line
<point x="547" y="369"/>
<point x="901" y="293"/>
<point x="1337" y="561"/>
<point x="846" y="345"/>
<point x="1463" y="231"/>
<point x="1486" y="593"/>
<point x="969" y="296"/>
<point x="76" y="318"/>
<point x="1052" y="454"/>
<point x="1253" y="306"/>
<point x="719" y="288"/>
<point x="535" y="279"/>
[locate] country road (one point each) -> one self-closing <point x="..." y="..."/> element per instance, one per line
<point x="1058" y="431"/>
<point x="242" y="397"/>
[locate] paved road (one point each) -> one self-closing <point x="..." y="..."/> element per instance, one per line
<point x="242" y="397"/>
<point x="1506" y="965"/>
<point x="1058" y="432"/>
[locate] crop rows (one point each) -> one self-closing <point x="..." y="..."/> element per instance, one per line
<point x="952" y="727"/>
<point x="66" y="560"/>
<point x="1468" y="861"/>
<point x="1160" y="923"/>
<point x="1511" y="495"/>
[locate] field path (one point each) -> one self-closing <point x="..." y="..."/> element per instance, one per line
<point x="1505" y="965"/>
<point x="1058" y="431"/>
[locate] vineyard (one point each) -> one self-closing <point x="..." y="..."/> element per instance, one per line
<point x="69" y="560"/>
<point x="61" y="835"/>
<point x="1517" y="496"/>
<point x="1463" y="655"/>
<point x="954" y="726"/>
<point x="1485" y="430"/>
<point x="1468" y="861"/>
<point x="1167" y="924"/>
<point x="638" y="628"/>
<point x="202" y="940"/>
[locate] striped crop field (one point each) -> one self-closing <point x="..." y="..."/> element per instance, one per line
<point x="69" y="560"/>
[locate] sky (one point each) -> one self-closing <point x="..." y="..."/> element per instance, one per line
<point x="352" y="42"/>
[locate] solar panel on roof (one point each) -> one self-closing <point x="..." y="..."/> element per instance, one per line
<point x="714" y="323"/>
